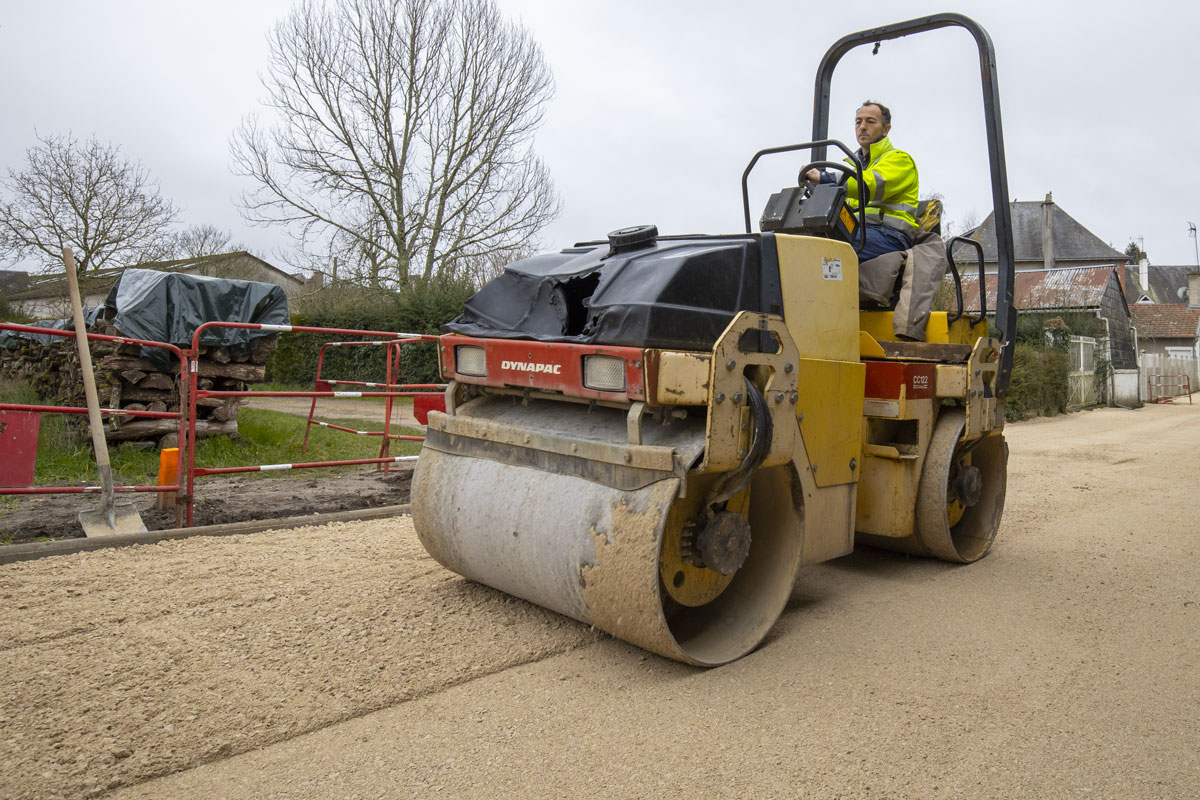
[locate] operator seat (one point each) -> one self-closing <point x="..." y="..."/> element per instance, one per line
<point x="907" y="281"/>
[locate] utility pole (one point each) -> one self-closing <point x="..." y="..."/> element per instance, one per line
<point x="1195" y="245"/>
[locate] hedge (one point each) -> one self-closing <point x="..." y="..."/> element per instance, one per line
<point x="1039" y="383"/>
<point x="420" y="308"/>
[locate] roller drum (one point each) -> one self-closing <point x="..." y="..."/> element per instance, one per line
<point x="591" y="551"/>
<point x="960" y="497"/>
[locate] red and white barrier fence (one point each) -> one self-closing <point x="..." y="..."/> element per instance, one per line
<point x="392" y="356"/>
<point x="385" y="339"/>
<point x="429" y="395"/>
<point x="18" y="457"/>
<point x="1165" y="388"/>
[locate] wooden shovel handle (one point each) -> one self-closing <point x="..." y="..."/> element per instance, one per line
<point x="95" y="422"/>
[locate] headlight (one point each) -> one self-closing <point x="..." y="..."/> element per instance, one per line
<point x="604" y="373"/>
<point x="470" y="361"/>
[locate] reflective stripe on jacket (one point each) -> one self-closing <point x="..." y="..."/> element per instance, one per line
<point x="890" y="176"/>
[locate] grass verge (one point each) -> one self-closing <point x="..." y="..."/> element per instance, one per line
<point x="65" y="456"/>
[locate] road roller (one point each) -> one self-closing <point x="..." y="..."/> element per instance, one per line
<point x="652" y="434"/>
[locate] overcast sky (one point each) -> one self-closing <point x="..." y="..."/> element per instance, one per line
<point x="660" y="105"/>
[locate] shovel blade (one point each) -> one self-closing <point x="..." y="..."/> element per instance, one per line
<point x="120" y="518"/>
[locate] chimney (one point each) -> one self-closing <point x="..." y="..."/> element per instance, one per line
<point x="1194" y="290"/>
<point x="1144" y="274"/>
<point x="1048" y="231"/>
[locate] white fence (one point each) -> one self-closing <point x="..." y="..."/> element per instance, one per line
<point x="1169" y="367"/>
<point x="1083" y="389"/>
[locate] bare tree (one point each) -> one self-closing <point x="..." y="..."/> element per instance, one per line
<point x="87" y="196"/>
<point x="960" y="226"/>
<point x="203" y="240"/>
<point x="403" y="135"/>
<point x="483" y="268"/>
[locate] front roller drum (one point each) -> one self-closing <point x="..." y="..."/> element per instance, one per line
<point x="592" y="552"/>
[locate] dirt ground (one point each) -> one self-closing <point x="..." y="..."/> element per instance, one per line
<point x="236" y="498"/>
<point x="341" y="662"/>
<point x="220" y="499"/>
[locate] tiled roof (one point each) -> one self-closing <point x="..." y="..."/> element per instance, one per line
<point x="1048" y="289"/>
<point x="1168" y="284"/>
<point x="1165" y="320"/>
<point x="55" y="284"/>
<point x="1072" y="241"/>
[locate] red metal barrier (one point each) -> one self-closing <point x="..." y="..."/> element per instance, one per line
<point x="43" y="409"/>
<point x="18" y="444"/>
<point x="392" y="353"/>
<point x="1158" y="383"/>
<point x="195" y="393"/>
<point x="428" y="395"/>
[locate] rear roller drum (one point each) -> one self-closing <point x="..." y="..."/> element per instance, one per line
<point x="960" y="498"/>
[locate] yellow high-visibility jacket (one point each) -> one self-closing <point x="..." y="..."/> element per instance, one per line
<point x="890" y="176"/>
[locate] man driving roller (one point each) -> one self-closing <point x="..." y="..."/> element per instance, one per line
<point x="890" y="179"/>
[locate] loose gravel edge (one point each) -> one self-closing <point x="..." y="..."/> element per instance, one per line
<point x="61" y="547"/>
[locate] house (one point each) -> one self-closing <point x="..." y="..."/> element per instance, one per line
<point x="1061" y="267"/>
<point x="1165" y="304"/>
<point x="1151" y="283"/>
<point x="12" y="281"/>
<point x="1094" y="290"/>
<point x="46" y="297"/>
<point x="1044" y="237"/>
<point x="1168" y="329"/>
<point x="1166" y="321"/>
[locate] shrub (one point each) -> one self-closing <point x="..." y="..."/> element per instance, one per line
<point x="420" y="308"/>
<point x="1039" y="382"/>
<point x="1057" y="327"/>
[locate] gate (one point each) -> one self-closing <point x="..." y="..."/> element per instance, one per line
<point x="1082" y="387"/>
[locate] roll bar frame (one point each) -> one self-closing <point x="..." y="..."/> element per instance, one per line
<point x="1006" y="312"/>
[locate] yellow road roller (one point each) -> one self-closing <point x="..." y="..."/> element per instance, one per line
<point x="651" y="434"/>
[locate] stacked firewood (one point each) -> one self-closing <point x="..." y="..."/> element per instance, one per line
<point x="127" y="380"/>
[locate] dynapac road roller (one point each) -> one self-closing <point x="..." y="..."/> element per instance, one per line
<point x="651" y="434"/>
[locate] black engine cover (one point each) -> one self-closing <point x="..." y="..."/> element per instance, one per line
<point x="676" y="292"/>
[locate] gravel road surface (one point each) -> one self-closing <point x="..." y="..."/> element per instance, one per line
<point x="341" y="662"/>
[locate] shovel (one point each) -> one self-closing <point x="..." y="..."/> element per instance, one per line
<point x="112" y="517"/>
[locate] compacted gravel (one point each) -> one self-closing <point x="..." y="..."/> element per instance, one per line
<point x="342" y="662"/>
<point x="124" y="664"/>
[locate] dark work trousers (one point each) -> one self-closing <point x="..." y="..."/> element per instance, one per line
<point x="881" y="240"/>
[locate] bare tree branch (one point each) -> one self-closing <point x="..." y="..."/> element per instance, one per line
<point x="203" y="240"/>
<point x="87" y="196"/>
<point x="402" y="135"/>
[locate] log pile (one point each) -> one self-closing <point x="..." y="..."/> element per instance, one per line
<point x="126" y="380"/>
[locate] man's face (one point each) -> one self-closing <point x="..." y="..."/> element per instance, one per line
<point x="868" y="126"/>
